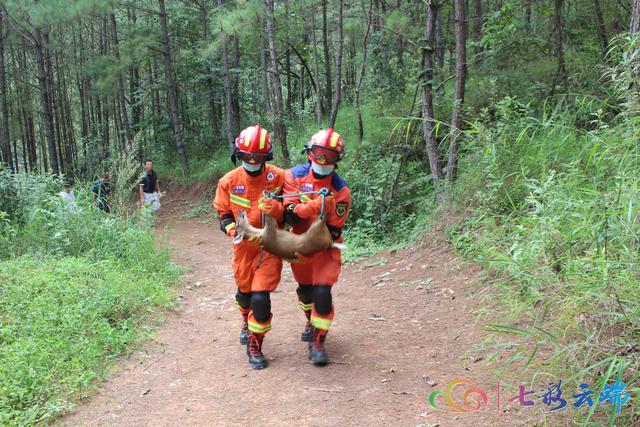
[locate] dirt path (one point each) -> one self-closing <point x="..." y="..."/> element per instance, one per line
<point x="403" y="327"/>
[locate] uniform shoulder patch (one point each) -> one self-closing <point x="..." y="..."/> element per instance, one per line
<point x="299" y="171"/>
<point x="270" y="176"/>
<point x="341" y="208"/>
<point x="338" y="182"/>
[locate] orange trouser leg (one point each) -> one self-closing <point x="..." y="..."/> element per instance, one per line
<point x="243" y="263"/>
<point x="326" y="267"/>
<point x="255" y="270"/>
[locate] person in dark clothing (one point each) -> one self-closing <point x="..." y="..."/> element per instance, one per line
<point x="150" y="187"/>
<point x="101" y="192"/>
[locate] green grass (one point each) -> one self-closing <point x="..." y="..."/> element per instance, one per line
<point x="63" y="322"/>
<point x="78" y="288"/>
<point x="554" y="221"/>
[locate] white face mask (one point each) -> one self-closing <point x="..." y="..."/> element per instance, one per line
<point x="252" y="167"/>
<point x="322" y="170"/>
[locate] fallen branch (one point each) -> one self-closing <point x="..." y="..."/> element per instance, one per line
<point x="324" y="389"/>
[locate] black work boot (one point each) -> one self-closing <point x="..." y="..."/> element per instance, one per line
<point x="244" y="332"/>
<point x="317" y="353"/>
<point x="307" y="334"/>
<point x="254" y="351"/>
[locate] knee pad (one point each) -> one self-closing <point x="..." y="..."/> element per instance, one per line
<point x="261" y="306"/>
<point x="243" y="299"/>
<point x="322" y="300"/>
<point x="305" y="293"/>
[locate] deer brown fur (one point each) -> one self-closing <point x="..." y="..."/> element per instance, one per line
<point x="283" y="243"/>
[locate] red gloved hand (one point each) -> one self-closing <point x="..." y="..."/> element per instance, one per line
<point x="274" y="208"/>
<point x="313" y="207"/>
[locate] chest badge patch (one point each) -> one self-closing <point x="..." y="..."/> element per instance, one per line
<point x="237" y="189"/>
<point x="341" y="208"/>
<point x="270" y="176"/>
<point x="306" y="187"/>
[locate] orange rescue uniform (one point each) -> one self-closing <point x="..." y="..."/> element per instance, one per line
<point x="322" y="268"/>
<point x="254" y="269"/>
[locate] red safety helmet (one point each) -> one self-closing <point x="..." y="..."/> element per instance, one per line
<point x="253" y="145"/>
<point x="326" y="147"/>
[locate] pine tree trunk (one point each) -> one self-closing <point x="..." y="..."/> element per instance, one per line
<point x="635" y="18"/>
<point x="327" y="57"/>
<point x="231" y="136"/>
<point x="27" y="105"/>
<point x="66" y="125"/>
<point x="301" y="87"/>
<point x="287" y="59"/>
<point x="440" y="47"/>
<point x="134" y="86"/>
<point x="57" y="119"/>
<point x="461" y="78"/>
<point x="78" y="55"/>
<point x="45" y="102"/>
<point x="155" y="101"/>
<point x="338" y="81"/>
<point x="124" y="116"/>
<point x="213" y="114"/>
<point x="562" y="72"/>
<point x="360" y="77"/>
<point x="106" y="131"/>
<point x="235" y="81"/>
<point x="4" y="132"/>
<point x="102" y="104"/>
<point x="352" y="64"/>
<point x="279" y="128"/>
<point x="264" y="75"/>
<point x="600" y="27"/>
<point x="287" y="68"/>
<point x="428" y="116"/>
<point x="376" y="16"/>
<point x="314" y="43"/>
<point x="477" y="31"/>
<point x="23" y="135"/>
<point x="171" y="88"/>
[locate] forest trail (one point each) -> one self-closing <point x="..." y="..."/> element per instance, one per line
<point x="404" y="326"/>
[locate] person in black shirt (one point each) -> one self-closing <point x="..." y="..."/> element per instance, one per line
<point x="150" y="187"/>
<point x="101" y="192"/>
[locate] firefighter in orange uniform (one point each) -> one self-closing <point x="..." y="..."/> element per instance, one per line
<point x="256" y="272"/>
<point x="319" y="272"/>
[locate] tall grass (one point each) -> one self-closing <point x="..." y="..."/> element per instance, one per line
<point x="76" y="287"/>
<point x="555" y="218"/>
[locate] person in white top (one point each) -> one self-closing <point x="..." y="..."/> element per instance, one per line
<point x="68" y="196"/>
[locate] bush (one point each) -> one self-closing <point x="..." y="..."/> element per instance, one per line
<point x="555" y="215"/>
<point x="76" y="285"/>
